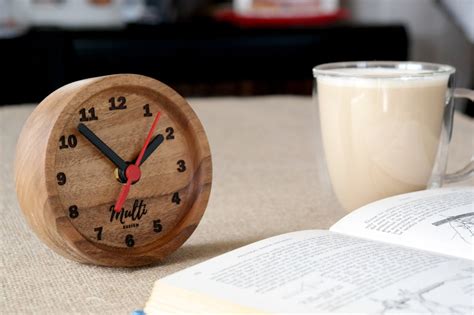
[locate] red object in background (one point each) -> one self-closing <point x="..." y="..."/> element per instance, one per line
<point x="229" y="15"/>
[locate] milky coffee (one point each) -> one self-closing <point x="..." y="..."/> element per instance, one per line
<point x="380" y="135"/>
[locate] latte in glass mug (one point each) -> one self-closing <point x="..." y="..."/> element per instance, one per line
<point x="382" y="125"/>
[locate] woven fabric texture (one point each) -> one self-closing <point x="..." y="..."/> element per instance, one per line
<point x="264" y="184"/>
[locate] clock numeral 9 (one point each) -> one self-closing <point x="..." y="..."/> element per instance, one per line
<point x="121" y="100"/>
<point x="85" y="117"/>
<point x="73" y="213"/>
<point x="157" y="227"/>
<point x="61" y="177"/>
<point x="170" y="135"/>
<point x="147" y="113"/>
<point x="99" y="232"/>
<point x="70" y="142"/>
<point x="129" y="241"/>
<point x="176" y="198"/>
<point x="182" y="166"/>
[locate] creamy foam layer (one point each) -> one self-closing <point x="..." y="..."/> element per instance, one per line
<point x="382" y="77"/>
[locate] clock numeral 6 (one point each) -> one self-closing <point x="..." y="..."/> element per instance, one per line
<point x="176" y="198"/>
<point x="170" y="133"/>
<point x="70" y="142"/>
<point x="85" y="117"/>
<point x="99" y="232"/>
<point x="73" y="213"/>
<point x="147" y="113"/>
<point x="113" y="104"/>
<point x="61" y="177"/>
<point x="182" y="166"/>
<point x="157" y="227"/>
<point x="129" y="241"/>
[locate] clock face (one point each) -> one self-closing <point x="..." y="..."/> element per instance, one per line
<point x="88" y="183"/>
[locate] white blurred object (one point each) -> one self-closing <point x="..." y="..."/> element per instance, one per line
<point x="74" y="13"/>
<point x="13" y="21"/>
<point x="279" y="8"/>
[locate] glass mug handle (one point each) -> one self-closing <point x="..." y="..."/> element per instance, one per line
<point x="469" y="168"/>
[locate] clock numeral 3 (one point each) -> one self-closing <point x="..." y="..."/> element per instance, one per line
<point x="85" y="117"/>
<point x="182" y="166"/>
<point x="129" y="241"/>
<point x="147" y="113"/>
<point x="99" y="232"/>
<point x="70" y="142"/>
<point x="176" y="198"/>
<point x="157" y="227"/>
<point x="73" y="213"/>
<point x="61" y="177"/>
<point x="170" y="135"/>
<point x="121" y="100"/>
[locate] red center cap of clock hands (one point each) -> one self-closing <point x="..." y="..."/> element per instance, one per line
<point x="133" y="172"/>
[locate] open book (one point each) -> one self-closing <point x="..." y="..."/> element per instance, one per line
<point x="411" y="253"/>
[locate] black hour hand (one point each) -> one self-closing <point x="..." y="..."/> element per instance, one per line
<point x="102" y="147"/>
<point x="152" y="146"/>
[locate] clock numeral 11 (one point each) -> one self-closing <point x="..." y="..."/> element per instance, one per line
<point x="85" y="117"/>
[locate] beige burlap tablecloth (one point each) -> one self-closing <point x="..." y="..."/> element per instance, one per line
<point x="264" y="184"/>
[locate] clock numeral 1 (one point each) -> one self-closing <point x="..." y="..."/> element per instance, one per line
<point x="73" y="213"/>
<point x="182" y="166"/>
<point x="85" y="117"/>
<point x="99" y="232"/>
<point x="176" y="198"/>
<point x="147" y="113"/>
<point x="61" y="177"/>
<point x="157" y="227"/>
<point x="170" y="134"/>
<point x="129" y="241"/>
<point x="121" y="100"/>
<point x="70" y="142"/>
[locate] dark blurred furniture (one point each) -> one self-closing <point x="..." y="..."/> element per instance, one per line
<point x="197" y="58"/>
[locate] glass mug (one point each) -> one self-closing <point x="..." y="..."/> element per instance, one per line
<point x="384" y="128"/>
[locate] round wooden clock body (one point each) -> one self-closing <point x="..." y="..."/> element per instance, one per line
<point x="67" y="188"/>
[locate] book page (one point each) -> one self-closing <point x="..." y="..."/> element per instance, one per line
<point x="321" y="271"/>
<point x="438" y="220"/>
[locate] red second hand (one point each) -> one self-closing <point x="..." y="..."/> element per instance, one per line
<point x="133" y="172"/>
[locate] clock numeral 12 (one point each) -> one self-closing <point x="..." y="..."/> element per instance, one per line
<point x="121" y="100"/>
<point x="85" y="117"/>
<point x="99" y="232"/>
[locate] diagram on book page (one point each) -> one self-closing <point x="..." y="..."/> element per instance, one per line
<point x="426" y="299"/>
<point x="462" y="226"/>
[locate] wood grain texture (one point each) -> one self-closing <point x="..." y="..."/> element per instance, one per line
<point x="91" y="186"/>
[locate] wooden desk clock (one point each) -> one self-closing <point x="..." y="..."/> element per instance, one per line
<point x="113" y="170"/>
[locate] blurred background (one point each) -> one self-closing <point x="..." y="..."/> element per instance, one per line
<point x="217" y="47"/>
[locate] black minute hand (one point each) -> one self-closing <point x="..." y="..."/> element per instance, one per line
<point x="102" y="147"/>
<point x="152" y="146"/>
